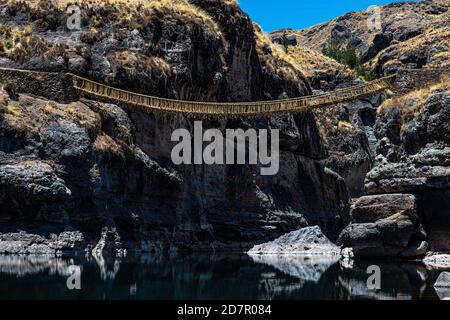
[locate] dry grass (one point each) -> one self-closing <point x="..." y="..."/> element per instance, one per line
<point x="105" y="143"/>
<point x="434" y="44"/>
<point x="12" y="109"/>
<point x="313" y="61"/>
<point x="92" y="36"/>
<point x="19" y="45"/>
<point x="275" y="58"/>
<point x="139" y="62"/>
<point x="411" y="104"/>
<point x="31" y="115"/>
<point x="132" y="14"/>
<point x="345" y="125"/>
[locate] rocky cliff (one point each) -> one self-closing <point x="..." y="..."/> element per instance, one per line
<point x="391" y="150"/>
<point x="406" y="211"/>
<point x="79" y="166"/>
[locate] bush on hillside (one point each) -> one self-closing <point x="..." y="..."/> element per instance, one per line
<point x="349" y="56"/>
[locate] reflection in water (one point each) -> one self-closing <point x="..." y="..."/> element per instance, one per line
<point x="22" y="265"/>
<point x="109" y="266"/>
<point x="443" y="293"/>
<point x="301" y="267"/>
<point x="210" y="277"/>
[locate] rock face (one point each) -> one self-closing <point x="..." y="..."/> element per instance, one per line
<point x="82" y="165"/>
<point x="406" y="212"/>
<point x="348" y="134"/>
<point x="153" y="54"/>
<point x="306" y="241"/>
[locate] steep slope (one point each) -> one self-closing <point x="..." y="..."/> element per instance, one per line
<point x="430" y="50"/>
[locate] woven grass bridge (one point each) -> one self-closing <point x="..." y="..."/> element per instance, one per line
<point x="93" y="89"/>
<point x="232" y="109"/>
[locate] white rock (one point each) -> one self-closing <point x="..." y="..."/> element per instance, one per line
<point x="306" y="241"/>
<point x="437" y="261"/>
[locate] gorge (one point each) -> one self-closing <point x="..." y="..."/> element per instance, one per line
<point x="81" y="174"/>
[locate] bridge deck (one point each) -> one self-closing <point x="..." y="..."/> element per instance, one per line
<point x="224" y="109"/>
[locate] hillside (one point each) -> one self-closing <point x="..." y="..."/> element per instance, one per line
<point x="408" y="29"/>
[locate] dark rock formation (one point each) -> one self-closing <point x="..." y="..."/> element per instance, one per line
<point x="348" y="131"/>
<point x="396" y="236"/>
<point x="413" y="159"/>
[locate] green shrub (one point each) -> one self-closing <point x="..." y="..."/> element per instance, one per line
<point x="349" y="56"/>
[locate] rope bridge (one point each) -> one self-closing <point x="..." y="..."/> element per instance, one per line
<point x="232" y="109"/>
<point x="218" y="109"/>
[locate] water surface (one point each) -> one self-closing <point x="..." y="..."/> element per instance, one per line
<point x="215" y="276"/>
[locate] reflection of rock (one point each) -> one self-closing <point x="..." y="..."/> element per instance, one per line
<point x="109" y="266"/>
<point x="306" y="241"/>
<point x="21" y="265"/>
<point x="307" y="269"/>
<point x="437" y="261"/>
<point x="358" y="288"/>
<point x="402" y="281"/>
<point x="443" y="293"/>
<point x="108" y="253"/>
<point x="443" y="281"/>
<point x="442" y="286"/>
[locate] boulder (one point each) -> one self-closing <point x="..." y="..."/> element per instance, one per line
<point x="400" y="235"/>
<point x="372" y="208"/>
<point x="306" y="241"/>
